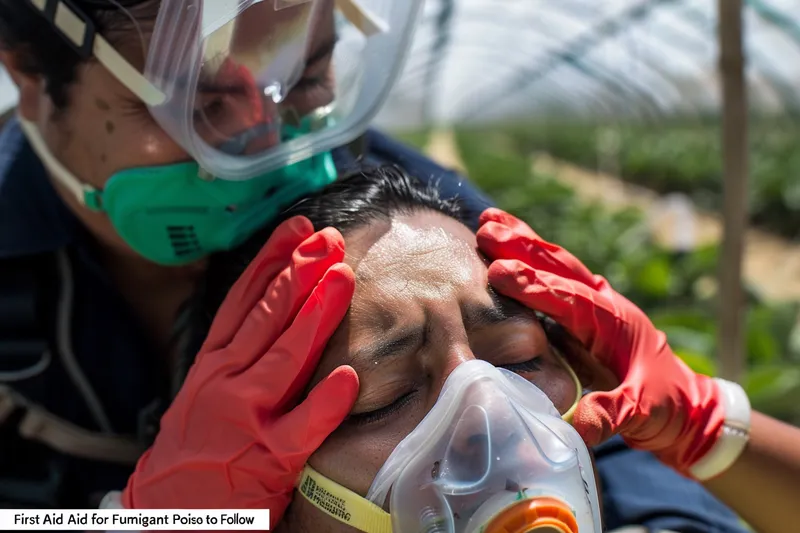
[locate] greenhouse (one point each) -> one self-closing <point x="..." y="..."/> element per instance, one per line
<point x="655" y="139"/>
<point x="618" y="129"/>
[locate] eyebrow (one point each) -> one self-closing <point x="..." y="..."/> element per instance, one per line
<point x="401" y="344"/>
<point x="408" y="340"/>
<point x="502" y="310"/>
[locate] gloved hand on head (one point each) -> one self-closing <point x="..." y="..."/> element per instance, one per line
<point x="658" y="404"/>
<point x="233" y="438"/>
<point x="272" y="328"/>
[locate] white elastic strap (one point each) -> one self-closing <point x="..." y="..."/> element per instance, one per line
<point x="53" y="165"/>
<point x="362" y="19"/>
<point x="126" y="73"/>
<point x="734" y="437"/>
<point x="74" y="29"/>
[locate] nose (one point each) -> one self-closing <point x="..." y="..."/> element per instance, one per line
<point x="253" y="126"/>
<point x="243" y="119"/>
<point x="445" y="360"/>
<point x="495" y="444"/>
<point x="484" y="435"/>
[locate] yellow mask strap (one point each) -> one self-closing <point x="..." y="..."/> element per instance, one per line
<point x="343" y="504"/>
<point x="567" y="417"/>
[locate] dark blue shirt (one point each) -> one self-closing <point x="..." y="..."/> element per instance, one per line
<point x="109" y="347"/>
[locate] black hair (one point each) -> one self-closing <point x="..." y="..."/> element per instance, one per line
<point x="370" y="195"/>
<point x="40" y="48"/>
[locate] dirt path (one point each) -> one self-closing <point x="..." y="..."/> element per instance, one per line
<point x="443" y="149"/>
<point x="771" y="264"/>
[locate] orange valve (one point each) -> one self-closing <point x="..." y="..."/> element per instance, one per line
<point x="537" y="515"/>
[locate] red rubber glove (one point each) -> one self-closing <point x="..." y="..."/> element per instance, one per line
<point x="659" y="404"/>
<point x="233" y="438"/>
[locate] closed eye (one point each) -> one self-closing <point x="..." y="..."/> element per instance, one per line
<point x="363" y="419"/>
<point x="531" y="365"/>
<point x="376" y="415"/>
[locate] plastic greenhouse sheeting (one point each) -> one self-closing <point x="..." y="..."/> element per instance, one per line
<point x="477" y="60"/>
<point x="486" y="60"/>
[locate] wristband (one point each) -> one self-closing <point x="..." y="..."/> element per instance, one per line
<point x="734" y="436"/>
<point x="112" y="500"/>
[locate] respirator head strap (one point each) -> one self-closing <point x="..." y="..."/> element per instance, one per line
<point x="343" y="504"/>
<point x="71" y="23"/>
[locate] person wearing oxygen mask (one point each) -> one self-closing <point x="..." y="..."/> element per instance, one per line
<point x="149" y="136"/>
<point x="455" y="396"/>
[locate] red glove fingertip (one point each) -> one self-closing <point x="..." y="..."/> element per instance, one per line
<point x="304" y="430"/>
<point x="498" y="241"/>
<point x="274" y="255"/>
<point x="601" y="415"/>
<point x="325" y="244"/>
<point x="513" y="223"/>
<point x="492" y="214"/>
<point x="342" y="384"/>
<point x="335" y="290"/>
<point x="518" y="280"/>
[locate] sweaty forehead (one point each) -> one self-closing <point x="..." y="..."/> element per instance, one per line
<point x="417" y="257"/>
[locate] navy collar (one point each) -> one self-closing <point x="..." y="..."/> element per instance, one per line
<point x="33" y="218"/>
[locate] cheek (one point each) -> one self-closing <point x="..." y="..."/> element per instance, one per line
<point x="353" y="456"/>
<point x="101" y="133"/>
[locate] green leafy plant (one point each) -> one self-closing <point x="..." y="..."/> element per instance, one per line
<point x="684" y="157"/>
<point x="618" y="245"/>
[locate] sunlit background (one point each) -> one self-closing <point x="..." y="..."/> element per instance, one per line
<point x="600" y="122"/>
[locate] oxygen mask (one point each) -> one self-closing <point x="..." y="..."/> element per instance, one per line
<point x="493" y="455"/>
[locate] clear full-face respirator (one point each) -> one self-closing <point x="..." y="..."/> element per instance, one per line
<point x="493" y="455"/>
<point x="256" y="92"/>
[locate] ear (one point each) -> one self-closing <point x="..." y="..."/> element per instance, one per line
<point x="30" y="86"/>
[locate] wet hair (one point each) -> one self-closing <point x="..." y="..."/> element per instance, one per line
<point x="370" y="195"/>
<point x="41" y="50"/>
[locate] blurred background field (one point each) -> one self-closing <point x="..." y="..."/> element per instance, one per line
<point x="618" y="129"/>
<point x="601" y="122"/>
<point x="630" y="241"/>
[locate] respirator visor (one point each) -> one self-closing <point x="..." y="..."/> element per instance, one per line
<point x="234" y="74"/>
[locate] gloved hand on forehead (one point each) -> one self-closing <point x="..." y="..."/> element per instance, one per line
<point x="658" y="404"/>
<point x="233" y="438"/>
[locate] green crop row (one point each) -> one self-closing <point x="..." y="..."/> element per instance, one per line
<point x="683" y="157"/>
<point x="675" y="290"/>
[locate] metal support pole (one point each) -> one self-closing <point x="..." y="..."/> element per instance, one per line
<point x="735" y="147"/>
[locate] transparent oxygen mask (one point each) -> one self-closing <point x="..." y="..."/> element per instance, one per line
<point x="493" y="455"/>
<point x="232" y="74"/>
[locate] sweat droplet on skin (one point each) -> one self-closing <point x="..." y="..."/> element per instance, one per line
<point x="446" y="266"/>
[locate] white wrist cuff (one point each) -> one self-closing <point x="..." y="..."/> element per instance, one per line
<point x="112" y="500"/>
<point x="734" y="437"/>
